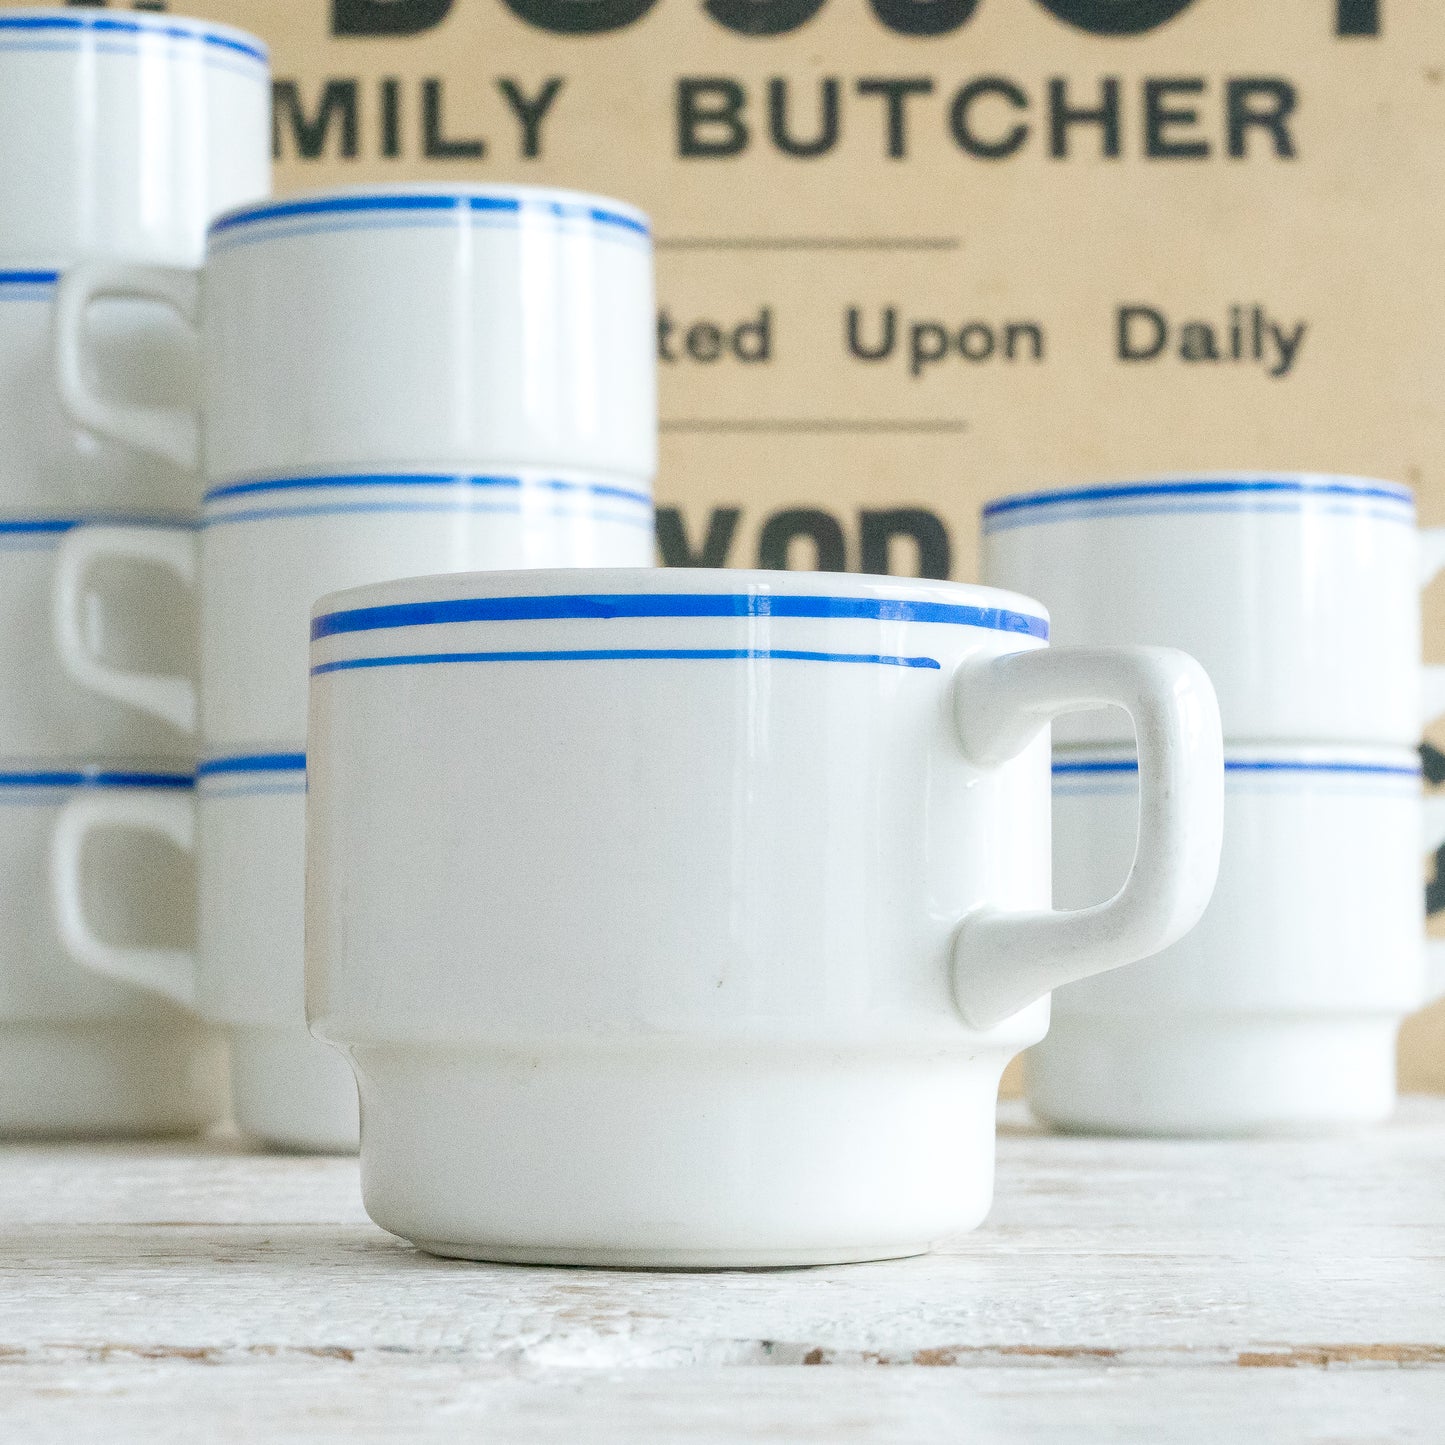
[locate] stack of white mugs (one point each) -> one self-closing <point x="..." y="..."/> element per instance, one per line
<point x="1300" y="594"/>
<point x="120" y="138"/>
<point x="356" y="386"/>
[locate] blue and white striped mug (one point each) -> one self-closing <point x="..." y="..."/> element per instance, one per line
<point x="1298" y="592"/>
<point x="688" y="918"/>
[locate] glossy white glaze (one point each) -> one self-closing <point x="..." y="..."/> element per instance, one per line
<point x="124" y="134"/>
<point x="1299" y="594"/>
<point x="1278" y="1013"/>
<point x="635" y="898"/>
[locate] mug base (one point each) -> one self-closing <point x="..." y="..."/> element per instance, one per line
<point x="1213" y="1076"/>
<point x="96" y="1078"/>
<point x="670" y="1157"/>
<point x="689" y="1260"/>
<point x="293" y="1092"/>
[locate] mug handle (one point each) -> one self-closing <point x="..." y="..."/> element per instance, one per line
<point x="1004" y="961"/>
<point x="170" y="432"/>
<point x="1432" y="563"/>
<point x="171" y="698"/>
<point x="169" y="972"/>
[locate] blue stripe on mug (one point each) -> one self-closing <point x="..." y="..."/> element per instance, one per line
<point x="56" y="526"/>
<point x="439" y="203"/>
<point x="252" y="763"/>
<point x="625" y="654"/>
<point x="1215" y="487"/>
<point x="1242" y="765"/>
<point x="429" y="479"/>
<point x="669" y="605"/>
<point x="108" y="25"/>
<point x="29" y="279"/>
<point x="97" y="777"/>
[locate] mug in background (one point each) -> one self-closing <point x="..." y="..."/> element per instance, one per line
<point x="286" y="1087"/>
<point x="52" y="463"/>
<point x="1278" y="1012"/>
<point x="398" y="328"/>
<point x="269" y="550"/>
<point x="81" y="1055"/>
<point x="688" y="918"/>
<point x="139" y="624"/>
<point x="124" y="134"/>
<point x="1298" y="593"/>
<point x="248" y="830"/>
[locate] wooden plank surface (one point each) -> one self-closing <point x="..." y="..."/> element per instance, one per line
<point x="1120" y="1290"/>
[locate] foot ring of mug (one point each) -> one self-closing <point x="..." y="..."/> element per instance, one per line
<point x="1213" y="1076"/>
<point x="293" y="1092"/>
<point x="671" y="1259"/>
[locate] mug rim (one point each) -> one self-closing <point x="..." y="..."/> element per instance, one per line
<point x="513" y="196"/>
<point x="132" y="22"/>
<point x="1309" y="485"/>
<point x="514" y="584"/>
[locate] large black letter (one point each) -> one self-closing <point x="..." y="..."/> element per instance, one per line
<point x="827" y="136"/>
<point x="579" y="17"/>
<point x="435" y="144"/>
<point x="963" y="132"/>
<point x="924" y="17"/>
<point x="1062" y="115"/>
<point x="1357" y="17"/>
<point x="530" y="110"/>
<point x="338" y="104"/>
<point x="1279" y="99"/>
<point x="1160" y="117"/>
<point x="894" y="92"/>
<point x="1116" y="17"/>
<point x="926" y="530"/>
<point x="729" y="99"/>
<point x="387" y="17"/>
<point x="1150" y="317"/>
<point x="762" y="17"/>
<point x="675" y="549"/>
<point x="830" y="552"/>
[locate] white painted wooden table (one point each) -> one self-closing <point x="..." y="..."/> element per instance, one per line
<point x="1160" y="1292"/>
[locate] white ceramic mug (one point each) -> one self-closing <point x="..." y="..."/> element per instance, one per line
<point x="1278" y="1013"/>
<point x="124" y="134"/>
<point x="688" y="918"/>
<point x="126" y="620"/>
<point x="81" y="1055"/>
<point x="453" y="327"/>
<point x="286" y="1087"/>
<point x="49" y="461"/>
<point x="247" y="827"/>
<point x="1299" y="594"/>
<point x="269" y="550"/>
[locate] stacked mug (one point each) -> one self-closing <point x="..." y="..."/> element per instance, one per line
<point x="394" y="382"/>
<point x="1300" y="595"/>
<point x="120" y="137"/>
